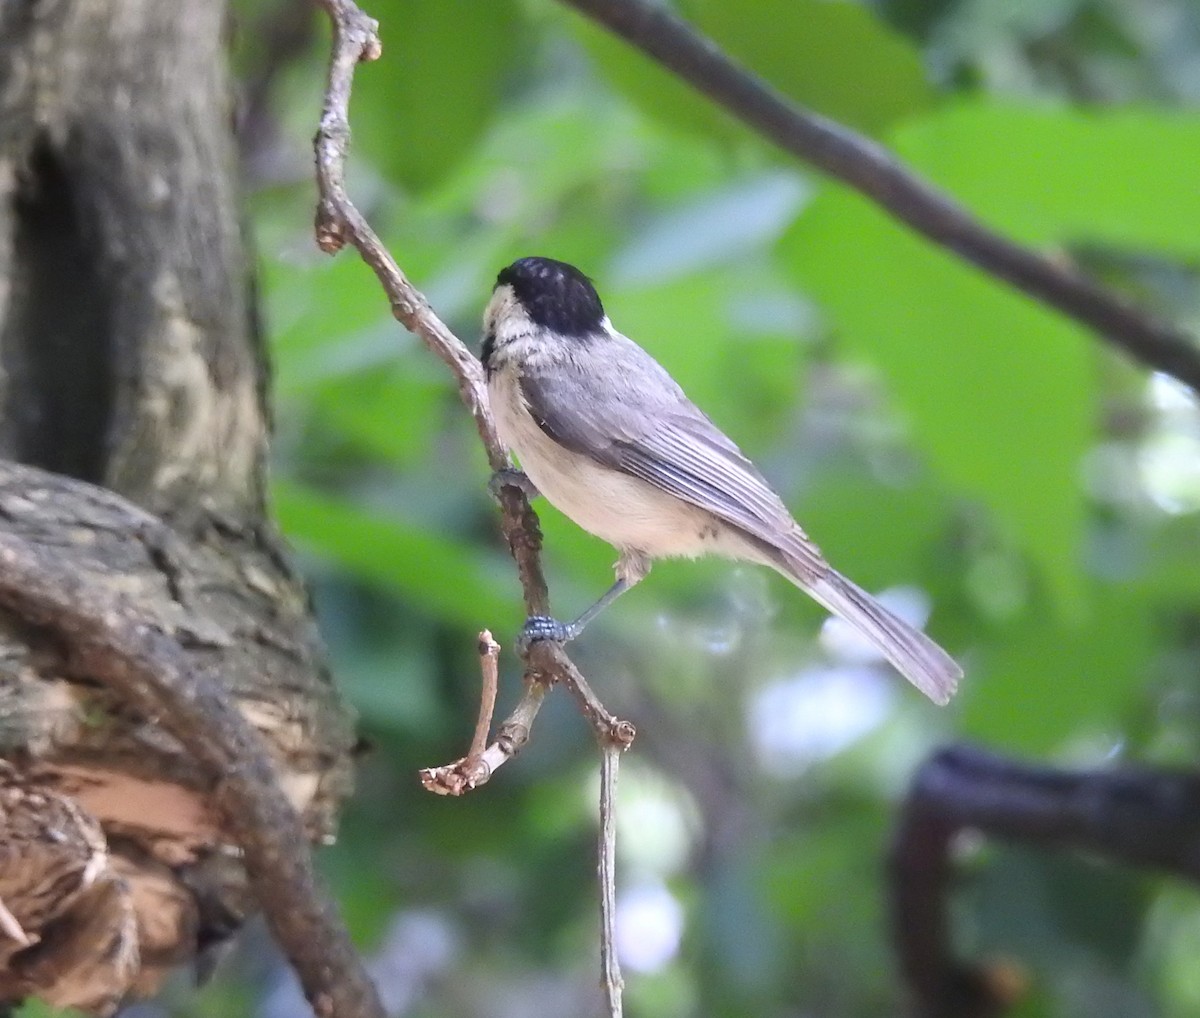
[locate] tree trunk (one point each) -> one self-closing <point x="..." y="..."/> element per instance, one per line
<point x="133" y="427"/>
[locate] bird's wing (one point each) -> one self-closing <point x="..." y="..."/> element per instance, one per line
<point x="655" y="433"/>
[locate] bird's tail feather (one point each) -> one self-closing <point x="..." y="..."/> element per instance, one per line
<point x="934" y="672"/>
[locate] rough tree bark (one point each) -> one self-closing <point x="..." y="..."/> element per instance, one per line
<point x="133" y="427"/>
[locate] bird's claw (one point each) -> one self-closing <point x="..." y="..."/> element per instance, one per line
<point x="510" y="477"/>
<point x="538" y="628"/>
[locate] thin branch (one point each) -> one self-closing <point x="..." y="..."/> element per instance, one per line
<point x="489" y="653"/>
<point x="875" y="172"/>
<point x="151" y="673"/>
<point x="610" y="967"/>
<point x="550" y="658"/>
<point x="477" y="767"/>
<point x="339" y="222"/>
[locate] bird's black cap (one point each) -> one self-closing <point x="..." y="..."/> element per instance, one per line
<point x="555" y="295"/>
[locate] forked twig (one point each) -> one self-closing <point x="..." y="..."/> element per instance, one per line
<point x="483" y="760"/>
<point x="338" y="222"/>
<point x="551" y="659"/>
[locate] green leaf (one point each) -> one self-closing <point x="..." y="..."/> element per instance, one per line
<point x="1051" y="907"/>
<point x="876" y="534"/>
<point x="683" y="323"/>
<point x="391" y="411"/>
<point x="1055" y="176"/>
<point x="394" y="687"/>
<point x="655" y="91"/>
<point x="998" y="391"/>
<point x="439" y="575"/>
<point x="1043" y="680"/>
<point x="315" y="309"/>
<point x="832" y="56"/>
<point x="420" y="107"/>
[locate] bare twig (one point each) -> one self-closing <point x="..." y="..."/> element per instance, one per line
<point x="610" y="966"/>
<point x="550" y="658"/>
<point x="546" y="664"/>
<point x="338" y="222"/>
<point x="489" y="652"/>
<point x="874" y="171"/>
<point x="150" y="672"/>
<point x="462" y="776"/>
<point x="482" y="761"/>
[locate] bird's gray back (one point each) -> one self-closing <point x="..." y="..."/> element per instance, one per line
<point x="610" y="400"/>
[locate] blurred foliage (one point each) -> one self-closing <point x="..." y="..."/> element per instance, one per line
<point x="938" y="434"/>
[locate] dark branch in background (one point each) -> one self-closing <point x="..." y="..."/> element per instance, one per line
<point x="149" y="670"/>
<point x="282" y="33"/>
<point x="1136" y="818"/>
<point x="339" y="222"/>
<point x="875" y="172"/>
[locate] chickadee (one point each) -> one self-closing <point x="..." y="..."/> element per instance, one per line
<point x="609" y="438"/>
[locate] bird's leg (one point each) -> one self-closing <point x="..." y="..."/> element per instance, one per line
<point x="631" y="568"/>
<point x="543" y="627"/>
<point x="511" y="477"/>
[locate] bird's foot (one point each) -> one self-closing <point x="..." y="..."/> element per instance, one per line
<point x="510" y="477"/>
<point x="542" y="627"/>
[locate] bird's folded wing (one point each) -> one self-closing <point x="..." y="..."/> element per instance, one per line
<point x="665" y="440"/>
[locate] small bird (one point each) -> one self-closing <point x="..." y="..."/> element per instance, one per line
<point x="603" y="431"/>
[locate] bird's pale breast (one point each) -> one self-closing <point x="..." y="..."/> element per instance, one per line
<point x="626" y="512"/>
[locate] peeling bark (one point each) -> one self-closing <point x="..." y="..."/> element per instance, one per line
<point x="133" y="427"/>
